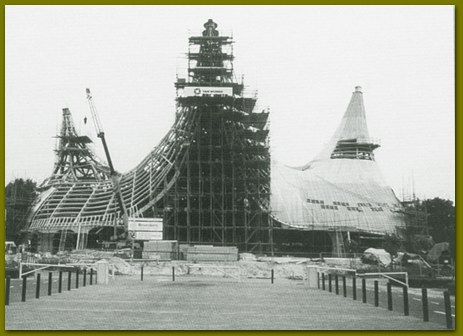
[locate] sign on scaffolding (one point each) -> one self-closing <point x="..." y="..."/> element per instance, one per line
<point x="145" y="228"/>
<point x="192" y="91"/>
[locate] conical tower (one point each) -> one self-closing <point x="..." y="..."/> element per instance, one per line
<point x="351" y="140"/>
<point x="340" y="194"/>
<point x="74" y="159"/>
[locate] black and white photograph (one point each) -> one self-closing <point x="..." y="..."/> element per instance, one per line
<point x="232" y="167"/>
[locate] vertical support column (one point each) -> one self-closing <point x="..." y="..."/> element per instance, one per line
<point x="354" y="288"/>
<point x="23" y="289"/>
<point x="424" y="295"/>
<point x="336" y="284"/>
<point x="405" y="295"/>
<point x="364" y="290"/>
<point x="376" y="293"/>
<point x="448" y="310"/>
<point x="323" y="281"/>
<point x="344" y="287"/>
<point x="330" y="289"/>
<point x="69" y="280"/>
<point x="50" y="282"/>
<point x="37" y="287"/>
<point x="7" y="291"/>
<point x="60" y="281"/>
<point x="389" y="296"/>
<point x="77" y="277"/>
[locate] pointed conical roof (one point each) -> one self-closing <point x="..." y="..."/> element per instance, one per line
<point x="353" y="127"/>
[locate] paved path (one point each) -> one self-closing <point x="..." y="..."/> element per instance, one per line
<point x="202" y="303"/>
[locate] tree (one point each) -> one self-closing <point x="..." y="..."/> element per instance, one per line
<point x="392" y="244"/>
<point x="441" y="220"/>
<point x="19" y="195"/>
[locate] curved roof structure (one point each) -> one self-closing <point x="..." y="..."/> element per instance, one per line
<point x="341" y="188"/>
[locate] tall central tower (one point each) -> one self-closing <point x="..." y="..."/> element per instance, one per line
<point x="222" y="194"/>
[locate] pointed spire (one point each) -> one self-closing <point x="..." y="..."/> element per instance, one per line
<point x="74" y="159"/>
<point x="351" y="140"/>
<point x="353" y="124"/>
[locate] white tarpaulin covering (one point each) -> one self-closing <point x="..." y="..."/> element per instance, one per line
<point x="345" y="193"/>
<point x="378" y="254"/>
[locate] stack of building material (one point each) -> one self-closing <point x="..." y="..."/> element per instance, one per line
<point x="200" y="253"/>
<point x="160" y="249"/>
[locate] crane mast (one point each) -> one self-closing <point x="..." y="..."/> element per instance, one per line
<point x="114" y="175"/>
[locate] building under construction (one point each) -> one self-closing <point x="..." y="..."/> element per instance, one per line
<point x="208" y="179"/>
<point x="211" y="181"/>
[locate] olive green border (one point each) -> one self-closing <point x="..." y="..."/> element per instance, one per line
<point x="458" y="122"/>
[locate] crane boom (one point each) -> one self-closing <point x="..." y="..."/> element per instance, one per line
<point x="99" y="130"/>
<point x="114" y="175"/>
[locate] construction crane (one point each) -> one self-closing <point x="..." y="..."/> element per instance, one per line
<point x="115" y="177"/>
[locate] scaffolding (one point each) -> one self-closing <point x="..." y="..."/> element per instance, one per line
<point x="209" y="178"/>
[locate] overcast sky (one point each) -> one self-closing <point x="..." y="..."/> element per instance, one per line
<point x="304" y="61"/>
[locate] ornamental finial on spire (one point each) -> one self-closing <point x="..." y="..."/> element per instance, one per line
<point x="210" y="26"/>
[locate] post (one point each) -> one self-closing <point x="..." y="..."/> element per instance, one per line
<point x="344" y="287"/>
<point x="389" y="296"/>
<point x="364" y="290"/>
<point x="272" y="275"/>
<point x="354" y="288"/>
<point x="173" y="273"/>
<point x="69" y="280"/>
<point x="84" y="282"/>
<point x="318" y="280"/>
<point x="141" y="273"/>
<point x="91" y="276"/>
<point x="323" y="281"/>
<point x="424" y="294"/>
<point x="376" y="294"/>
<point x="37" y="287"/>
<point x="336" y="284"/>
<point x="405" y="295"/>
<point x="50" y="282"/>
<point x="448" y="310"/>
<point x="330" y="289"/>
<point x="23" y="289"/>
<point x="60" y="281"/>
<point x="7" y="291"/>
<point x="77" y="278"/>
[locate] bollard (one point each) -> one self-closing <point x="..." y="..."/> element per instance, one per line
<point x="323" y="281"/>
<point x="69" y="280"/>
<point x="37" y="287"/>
<point x="389" y="296"/>
<point x="318" y="280"/>
<point x="272" y="275"/>
<point x="84" y="282"/>
<point x="91" y="276"/>
<point x="50" y="282"/>
<point x="330" y="289"/>
<point x="141" y="273"/>
<point x="77" y="278"/>
<point x="7" y="291"/>
<point x="344" y="287"/>
<point x="173" y="273"/>
<point x="336" y="284"/>
<point x="23" y="289"/>
<point x="448" y="310"/>
<point x="364" y="290"/>
<point x="376" y="294"/>
<point x="60" y="281"/>
<point x="354" y="288"/>
<point x="424" y="294"/>
<point x="405" y="295"/>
